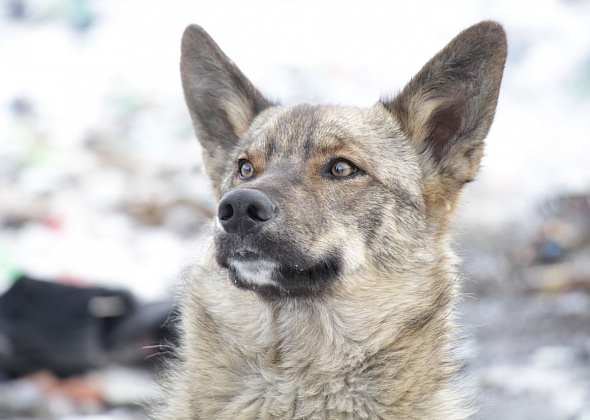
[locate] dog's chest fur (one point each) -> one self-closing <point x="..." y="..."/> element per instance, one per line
<point x="331" y="359"/>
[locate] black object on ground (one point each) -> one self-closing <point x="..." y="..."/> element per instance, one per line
<point x="70" y="330"/>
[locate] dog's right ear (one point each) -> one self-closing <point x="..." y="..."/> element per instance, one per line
<point x="221" y="100"/>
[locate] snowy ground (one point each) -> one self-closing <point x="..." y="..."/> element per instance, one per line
<point x="100" y="178"/>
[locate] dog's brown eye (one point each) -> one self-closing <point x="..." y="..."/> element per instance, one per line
<point x="342" y="168"/>
<point x="245" y="169"/>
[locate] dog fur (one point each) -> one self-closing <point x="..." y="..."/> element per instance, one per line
<point x="337" y="302"/>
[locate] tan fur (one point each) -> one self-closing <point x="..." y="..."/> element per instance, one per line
<point x="375" y="339"/>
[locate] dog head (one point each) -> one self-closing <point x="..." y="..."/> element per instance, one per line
<point x="310" y="195"/>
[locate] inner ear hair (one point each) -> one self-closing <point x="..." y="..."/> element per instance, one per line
<point x="446" y="109"/>
<point x="452" y="100"/>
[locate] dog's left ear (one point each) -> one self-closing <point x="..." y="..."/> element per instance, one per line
<point x="446" y="111"/>
<point x="221" y="100"/>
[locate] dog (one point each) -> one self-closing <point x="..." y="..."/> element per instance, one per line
<point x="329" y="286"/>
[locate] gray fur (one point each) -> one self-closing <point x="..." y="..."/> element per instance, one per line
<point x="376" y="341"/>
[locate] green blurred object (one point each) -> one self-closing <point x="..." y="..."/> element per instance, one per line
<point x="81" y="14"/>
<point x="581" y="83"/>
<point x="9" y="269"/>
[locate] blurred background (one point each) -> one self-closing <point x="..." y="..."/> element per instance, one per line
<point x="104" y="204"/>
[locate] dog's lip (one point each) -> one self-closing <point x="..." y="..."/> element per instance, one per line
<point x="250" y="256"/>
<point x="246" y="255"/>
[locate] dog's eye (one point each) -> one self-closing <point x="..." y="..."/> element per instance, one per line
<point x="343" y="168"/>
<point x="245" y="169"/>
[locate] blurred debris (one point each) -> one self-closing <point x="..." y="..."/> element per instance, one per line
<point x="81" y="14"/>
<point x="77" y="14"/>
<point x="557" y="258"/>
<point x="532" y="355"/>
<point x="57" y="327"/>
<point x="70" y="330"/>
<point x="558" y="278"/>
<point x="179" y="214"/>
<point x="532" y="320"/>
<point x="54" y="337"/>
<point x="22" y="107"/>
<point x="15" y="9"/>
<point x="547" y="253"/>
<point x="114" y="392"/>
<point x="566" y="226"/>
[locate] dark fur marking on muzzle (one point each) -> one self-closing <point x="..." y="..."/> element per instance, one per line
<point x="292" y="281"/>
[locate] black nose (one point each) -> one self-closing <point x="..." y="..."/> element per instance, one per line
<point x="245" y="211"/>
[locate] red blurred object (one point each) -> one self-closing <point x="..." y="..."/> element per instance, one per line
<point x="54" y="223"/>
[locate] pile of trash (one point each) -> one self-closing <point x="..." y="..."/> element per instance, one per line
<point x="546" y="252"/>
<point x="78" y="349"/>
<point x="530" y="323"/>
<point x="557" y="259"/>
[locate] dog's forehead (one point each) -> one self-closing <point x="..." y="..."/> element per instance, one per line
<point x="309" y="129"/>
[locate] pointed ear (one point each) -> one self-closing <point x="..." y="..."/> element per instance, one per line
<point x="221" y="100"/>
<point x="447" y="108"/>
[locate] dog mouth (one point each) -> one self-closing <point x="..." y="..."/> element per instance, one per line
<point x="271" y="278"/>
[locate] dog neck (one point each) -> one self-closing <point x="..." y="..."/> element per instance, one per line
<point x="356" y="352"/>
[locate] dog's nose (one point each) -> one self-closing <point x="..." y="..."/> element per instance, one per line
<point x="245" y="211"/>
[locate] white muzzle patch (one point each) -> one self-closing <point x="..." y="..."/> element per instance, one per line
<point x="256" y="273"/>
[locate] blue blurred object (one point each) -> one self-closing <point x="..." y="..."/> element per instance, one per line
<point x="550" y="251"/>
<point x="16" y="9"/>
